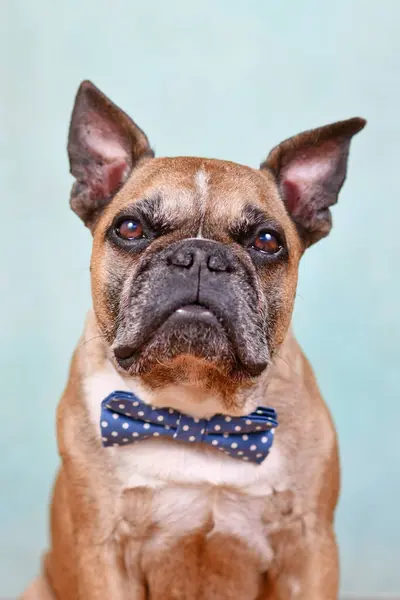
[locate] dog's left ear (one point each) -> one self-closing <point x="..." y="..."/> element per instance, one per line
<point x="104" y="145"/>
<point x="310" y="170"/>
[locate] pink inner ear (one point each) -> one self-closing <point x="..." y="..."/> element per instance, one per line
<point x="291" y="193"/>
<point x="106" y="144"/>
<point x="113" y="177"/>
<point x="116" y="174"/>
<point x="303" y="175"/>
<point x="106" y="179"/>
<point x="103" y="139"/>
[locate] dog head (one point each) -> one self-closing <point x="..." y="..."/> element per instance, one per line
<point x="194" y="264"/>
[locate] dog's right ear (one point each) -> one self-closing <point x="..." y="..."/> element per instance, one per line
<point x="104" y="145"/>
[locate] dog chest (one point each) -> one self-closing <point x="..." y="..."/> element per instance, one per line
<point x="189" y="490"/>
<point x="184" y="489"/>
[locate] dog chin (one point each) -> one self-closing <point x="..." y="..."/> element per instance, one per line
<point x="191" y="340"/>
<point x="196" y="344"/>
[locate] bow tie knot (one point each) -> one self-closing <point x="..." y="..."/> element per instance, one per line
<point x="126" y="419"/>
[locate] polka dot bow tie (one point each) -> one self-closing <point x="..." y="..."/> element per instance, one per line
<point x="125" y="420"/>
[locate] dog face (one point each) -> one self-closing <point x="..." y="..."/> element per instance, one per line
<point x="194" y="264"/>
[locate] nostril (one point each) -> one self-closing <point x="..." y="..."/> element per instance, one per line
<point x="217" y="263"/>
<point x="181" y="258"/>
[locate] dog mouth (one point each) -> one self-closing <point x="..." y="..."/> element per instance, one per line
<point x="196" y="311"/>
<point x="216" y="325"/>
<point x="182" y="316"/>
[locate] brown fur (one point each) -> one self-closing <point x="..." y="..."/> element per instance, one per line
<point x="103" y="541"/>
<point x="119" y="533"/>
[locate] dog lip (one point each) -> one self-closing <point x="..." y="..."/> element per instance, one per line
<point x="125" y="354"/>
<point x="192" y="308"/>
<point x="195" y="311"/>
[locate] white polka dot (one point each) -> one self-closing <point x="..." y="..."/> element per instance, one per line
<point x="240" y="453"/>
<point x="273" y="430"/>
<point x="217" y="427"/>
<point x="114" y="434"/>
<point x="160" y="418"/>
<point x="202" y="431"/>
<point x="135" y="403"/>
<point x="192" y="438"/>
<point x="264" y="440"/>
<point x="259" y="455"/>
<point x="253" y="447"/>
<point x="245" y="437"/>
<point x="228" y="419"/>
<point x="259" y="412"/>
<point x="104" y="424"/>
<point x="170" y="410"/>
<point x="125" y="440"/>
<point x="185" y="428"/>
<point x="238" y="428"/>
<point x="215" y="442"/>
<point x="156" y="434"/>
<point x="258" y="428"/>
<point x="104" y="439"/>
<point x="115" y="445"/>
<point x="146" y="426"/>
<point x="248" y="422"/>
<point x="125" y="426"/>
<point x="245" y="458"/>
<point x="122" y="406"/>
<point x="167" y="427"/>
<point x="115" y="416"/>
<point x="135" y="434"/>
<point x="141" y="413"/>
<point x="196" y="420"/>
<point x="234" y="445"/>
<point x="222" y="450"/>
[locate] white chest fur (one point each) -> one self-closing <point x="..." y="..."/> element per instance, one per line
<point x="158" y="463"/>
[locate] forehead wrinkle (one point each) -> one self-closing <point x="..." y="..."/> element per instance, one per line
<point x="252" y="216"/>
<point x="175" y="193"/>
<point x="219" y="194"/>
<point x="231" y="190"/>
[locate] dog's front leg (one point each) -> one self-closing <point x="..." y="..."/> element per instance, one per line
<point x="95" y="559"/>
<point x="88" y="558"/>
<point x="102" y="576"/>
<point x="306" y="567"/>
<point x="106" y="556"/>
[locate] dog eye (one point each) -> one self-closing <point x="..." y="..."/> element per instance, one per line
<point x="129" y="229"/>
<point x="267" y="242"/>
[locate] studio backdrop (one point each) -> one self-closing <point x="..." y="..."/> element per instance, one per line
<point x="226" y="80"/>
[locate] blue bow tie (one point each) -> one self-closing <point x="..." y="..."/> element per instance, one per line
<point x="125" y="420"/>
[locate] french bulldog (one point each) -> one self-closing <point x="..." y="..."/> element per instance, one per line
<point x="194" y="273"/>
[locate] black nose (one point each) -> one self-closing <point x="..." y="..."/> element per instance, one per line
<point x="196" y="254"/>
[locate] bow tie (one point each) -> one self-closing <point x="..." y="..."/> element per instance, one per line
<point x="125" y="420"/>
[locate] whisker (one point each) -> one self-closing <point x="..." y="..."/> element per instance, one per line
<point x="285" y="361"/>
<point x="96" y="337"/>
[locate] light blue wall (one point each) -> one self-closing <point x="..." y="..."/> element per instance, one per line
<point x="229" y="80"/>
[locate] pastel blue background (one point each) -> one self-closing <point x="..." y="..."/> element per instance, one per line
<point x="228" y="80"/>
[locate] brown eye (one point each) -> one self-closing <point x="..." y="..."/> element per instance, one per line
<point x="267" y="242"/>
<point x="129" y="229"/>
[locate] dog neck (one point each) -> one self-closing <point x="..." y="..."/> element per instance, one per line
<point x="192" y="399"/>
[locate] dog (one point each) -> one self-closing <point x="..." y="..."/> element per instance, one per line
<point x="194" y="272"/>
